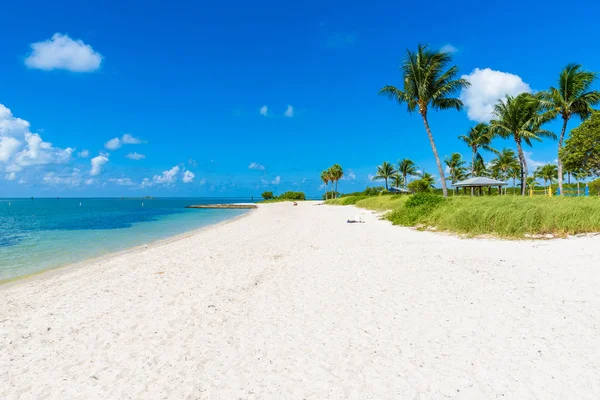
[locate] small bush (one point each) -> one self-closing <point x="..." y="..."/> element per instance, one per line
<point x="419" y="186"/>
<point x="422" y="199"/>
<point x="594" y="187"/>
<point x="292" y="196"/>
<point x="267" y="195"/>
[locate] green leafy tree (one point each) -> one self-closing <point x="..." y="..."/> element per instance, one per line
<point x="581" y="152"/>
<point x="385" y="172"/>
<point x="428" y="82"/>
<point x="572" y="97"/>
<point x="455" y="164"/>
<point x="547" y="173"/>
<point x="478" y="137"/>
<point x="267" y="195"/>
<point x="504" y="163"/>
<point x="521" y="118"/>
<point x="407" y="168"/>
<point x="419" y="186"/>
<point x="428" y="179"/>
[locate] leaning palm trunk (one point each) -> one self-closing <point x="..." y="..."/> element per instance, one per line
<point x="560" y="166"/>
<point x="473" y="168"/>
<point x="435" y="154"/>
<point x="523" y="165"/>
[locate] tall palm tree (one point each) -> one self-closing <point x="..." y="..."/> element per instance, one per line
<point x="572" y="97"/>
<point x="407" y="168"/>
<point x="337" y="173"/>
<point x="325" y="179"/>
<point x="548" y="173"/>
<point x="521" y="118"/>
<point x="505" y="161"/>
<point x="397" y="180"/>
<point x="514" y="173"/>
<point x="455" y="164"/>
<point x="478" y="137"/>
<point x="530" y="182"/>
<point x="428" y="179"/>
<point x="427" y="83"/>
<point x="480" y="167"/>
<point x="385" y="171"/>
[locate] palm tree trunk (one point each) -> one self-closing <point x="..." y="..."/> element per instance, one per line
<point x="386" y="185"/>
<point x="523" y="165"/>
<point x="335" y="191"/>
<point x="404" y="180"/>
<point x="473" y="168"/>
<point x="560" y="144"/>
<point x="435" y="154"/>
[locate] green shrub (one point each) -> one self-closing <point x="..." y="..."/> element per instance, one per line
<point x="267" y="195"/>
<point x="292" y="196"/>
<point x="416" y="209"/>
<point x="423" y="199"/>
<point x="594" y="187"/>
<point x="419" y="186"/>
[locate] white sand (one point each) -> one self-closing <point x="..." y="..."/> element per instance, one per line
<point x="294" y="303"/>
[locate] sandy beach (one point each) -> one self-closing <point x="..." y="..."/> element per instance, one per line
<point x="295" y="303"/>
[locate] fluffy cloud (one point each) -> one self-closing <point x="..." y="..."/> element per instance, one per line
<point x="53" y="179"/>
<point x="188" y="177"/>
<point x="11" y="176"/>
<point x="83" y="154"/>
<point x="289" y="112"/>
<point x="349" y="175"/>
<point x="257" y="166"/>
<point x="121" y="181"/>
<point x="487" y="87"/>
<point x="448" y="48"/>
<point x="276" y="181"/>
<point x="167" y="177"/>
<point x="135" y="156"/>
<point x="62" y="52"/>
<point x="531" y="163"/>
<point x="20" y="148"/>
<point x="264" y="111"/>
<point x="98" y="163"/>
<point x="203" y="181"/>
<point x="116" y="143"/>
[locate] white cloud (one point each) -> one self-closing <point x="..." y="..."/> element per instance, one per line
<point x="448" y="48"/>
<point x="531" y="163"/>
<point x="113" y="144"/>
<point x="264" y="111"/>
<point x="98" y="163"/>
<point x="289" y="112"/>
<point x="83" y="154"/>
<point x="135" y="156"/>
<point x="276" y="181"/>
<point x="62" y="52"/>
<point x="121" y="181"/>
<point x="11" y="176"/>
<point x="116" y="143"/>
<point x="370" y="177"/>
<point x="128" y="139"/>
<point x="203" y="181"/>
<point x="192" y="162"/>
<point x="487" y="87"/>
<point x="349" y="175"/>
<point x="53" y="179"/>
<point x="188" y="177"/>
<point x="167" y="177"/>
<point x="256" y="165"/>
<point x="20" y="148"/>
<point x="146" y="183"/>
<point x="89" y="181"/>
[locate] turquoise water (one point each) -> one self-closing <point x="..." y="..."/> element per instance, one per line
<point x="40" y="234"/>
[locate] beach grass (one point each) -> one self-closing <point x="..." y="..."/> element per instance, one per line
<point x="513" y="217"/>
<point x="376" y="203"/>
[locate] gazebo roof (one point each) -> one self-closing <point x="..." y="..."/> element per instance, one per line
<point x="479" y="181"/>
<point x="399" y="190"/>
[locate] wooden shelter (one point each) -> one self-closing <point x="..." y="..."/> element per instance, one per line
<point x="479" y="182"/>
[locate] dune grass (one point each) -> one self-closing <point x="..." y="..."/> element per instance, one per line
<point x="376" y="203"/>
<point x="505" y="216"/>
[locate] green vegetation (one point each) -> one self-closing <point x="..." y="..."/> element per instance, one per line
<point x="382" y="203"/>
<point x="332" y="174"/>
<point x="428" y="83"/>
<point x="582" y="150"/>
<point x="478" y="137"/>
<point x="287" y="196"/>
<point x="267" y="195"/>
<point x="385" y="172"/>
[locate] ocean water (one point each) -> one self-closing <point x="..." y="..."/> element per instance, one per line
<point x="41" y="234"/>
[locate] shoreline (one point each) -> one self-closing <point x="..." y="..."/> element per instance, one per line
<point x="61" y="269"/>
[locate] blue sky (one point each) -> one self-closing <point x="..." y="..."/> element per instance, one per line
<point x="184" y="83"/>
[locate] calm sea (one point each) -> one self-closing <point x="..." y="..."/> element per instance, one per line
<point x="41" y="234"/>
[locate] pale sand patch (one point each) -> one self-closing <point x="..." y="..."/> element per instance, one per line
<point x="293" y="302"/>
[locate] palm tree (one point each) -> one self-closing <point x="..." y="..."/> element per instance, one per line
<point x="478" y="137"/>
<point x="521" y="118"/>
<point x="578" y="176"/>
<point x="505" y="161"/>
<point x="427" y="83"/>
<point x="407" y="168"/>
<point x="530" y="182"/>
<point x="325" y="179"/>
<point x="548" y="173"/>
<point x="385" y="171"/>
<point x="455" y="165"/>
<point x="337" y="173"/>
<point x="428" y="179"/>
<point x="573" y="97"/>
<point x="480" y="167"/>
<point x="397" y="180"/>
